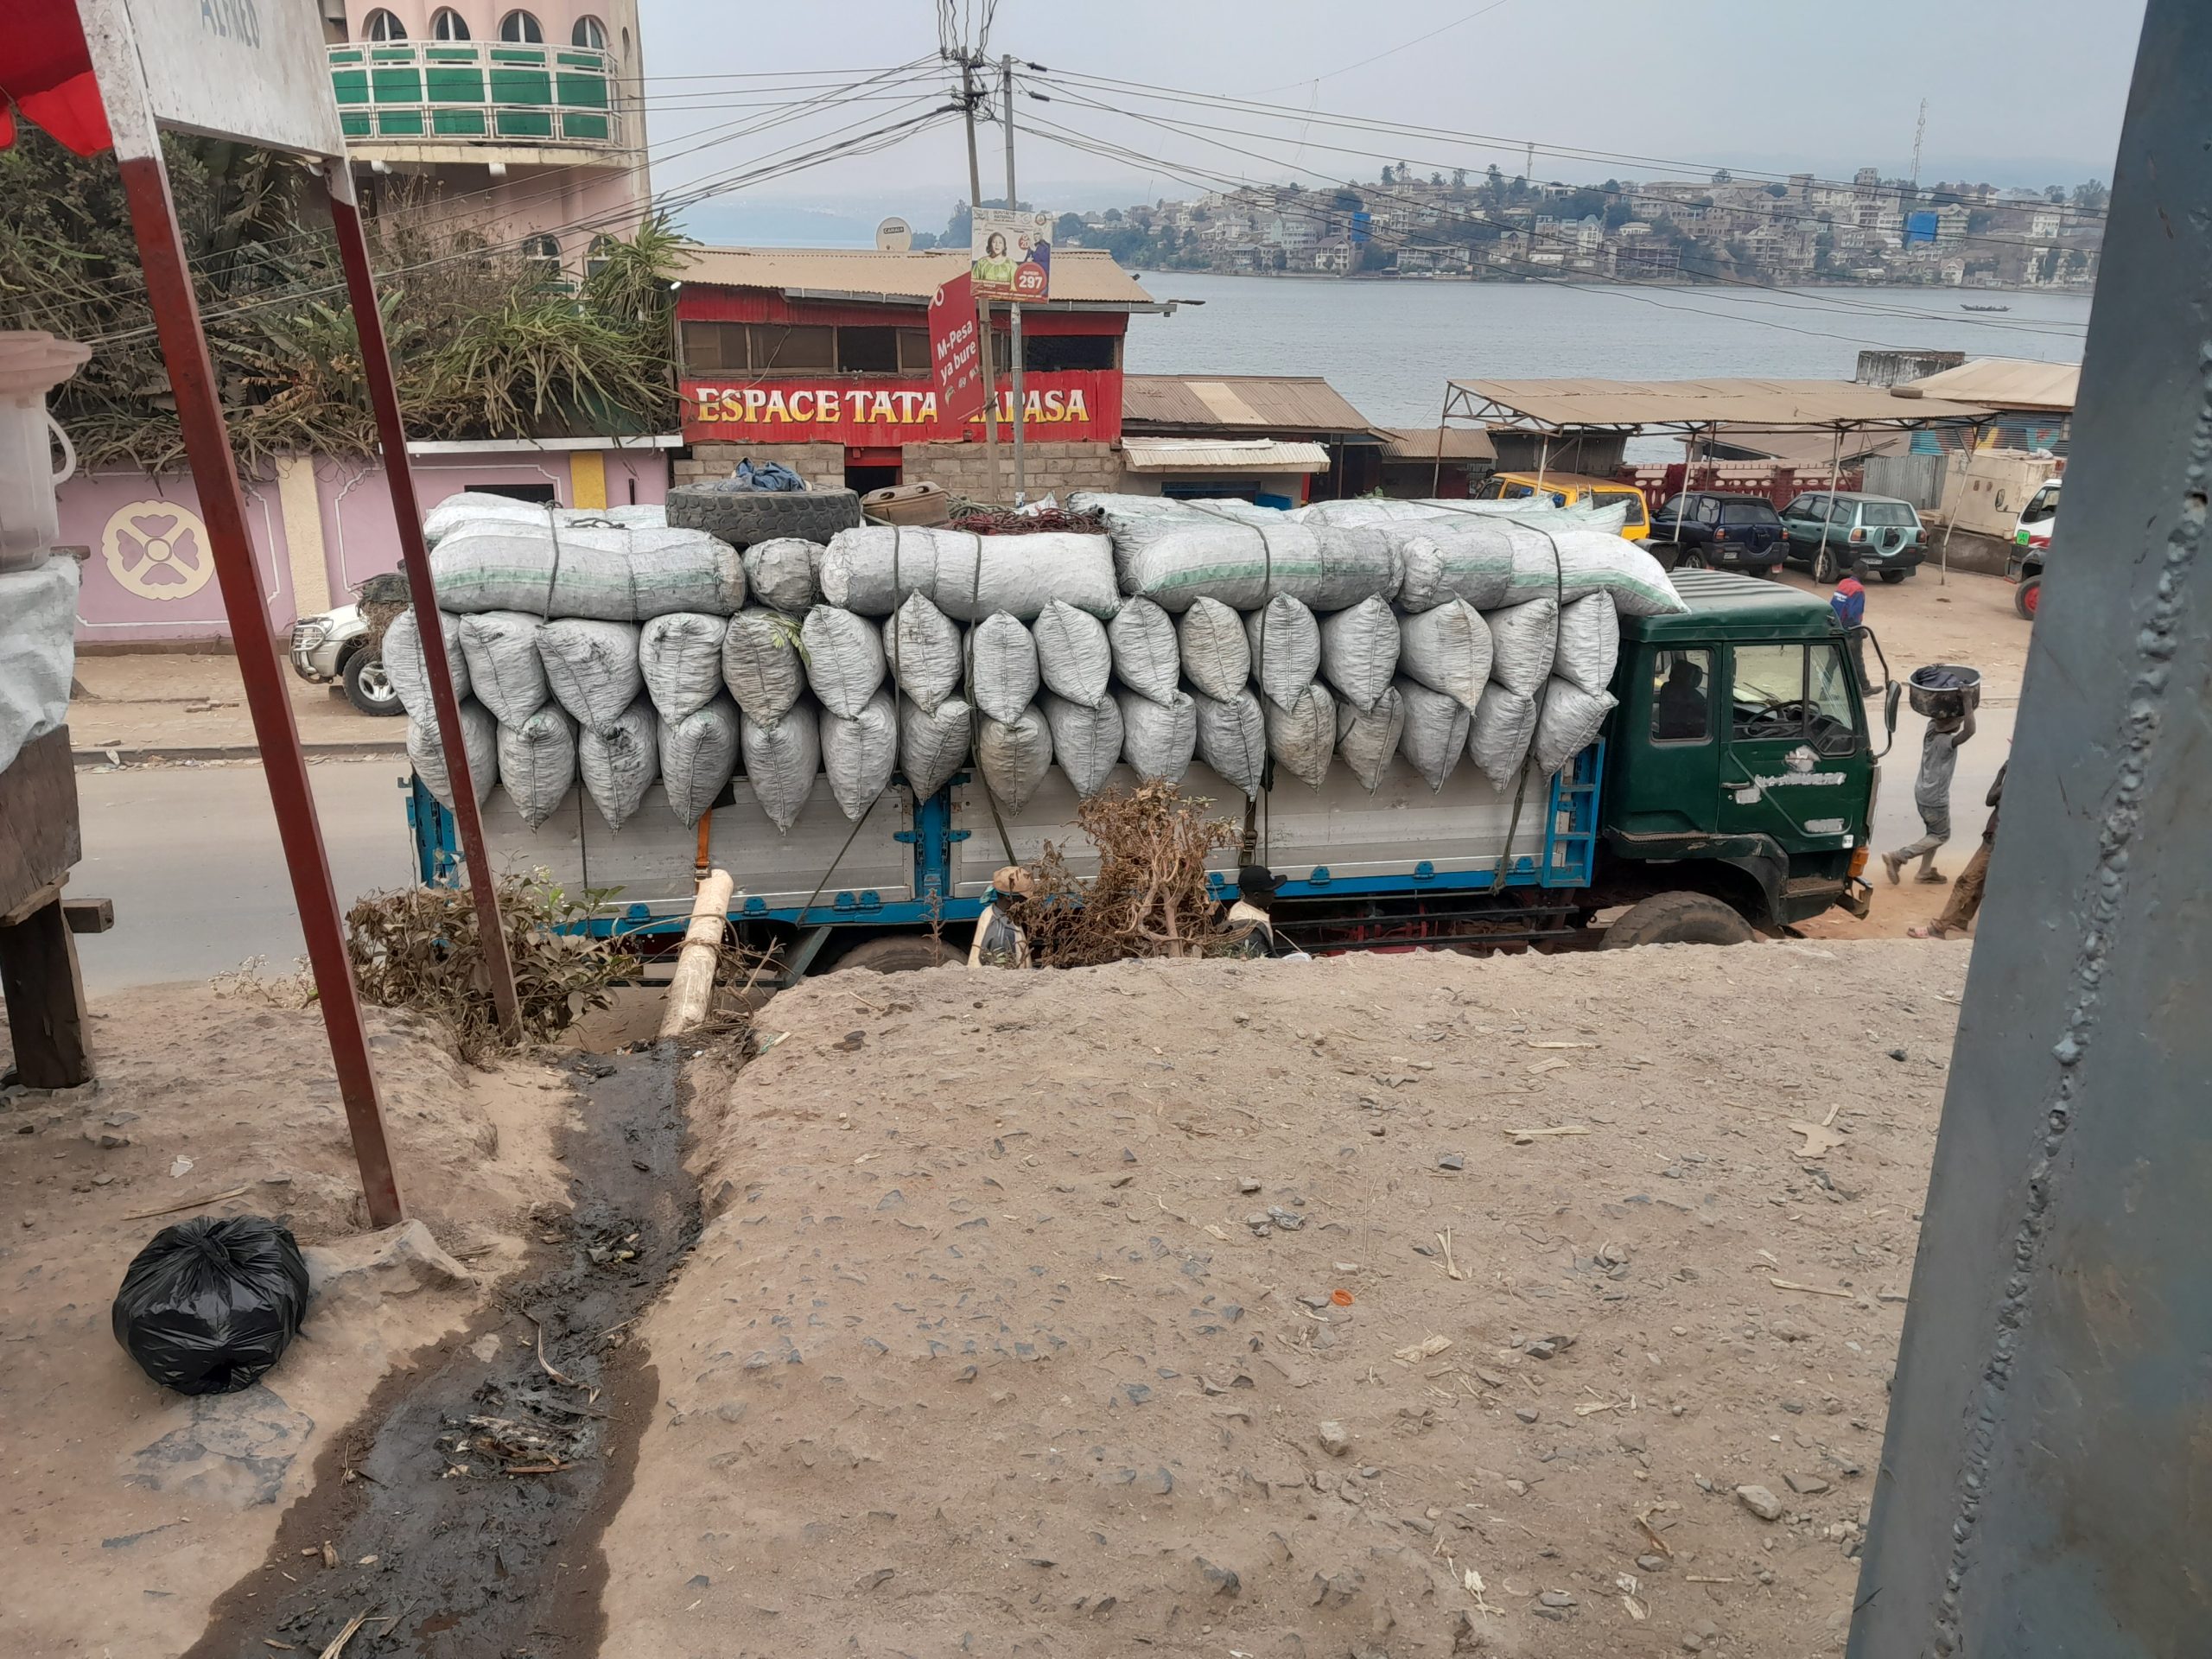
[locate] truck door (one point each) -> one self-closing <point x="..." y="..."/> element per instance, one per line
<point x="1667" y="768"/>
<point x="1794" y="764"/>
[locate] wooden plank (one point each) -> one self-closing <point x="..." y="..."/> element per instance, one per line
<point x="46" y="1000"/>
<point x="89" y="915"/>
<point x="39" y="838"/>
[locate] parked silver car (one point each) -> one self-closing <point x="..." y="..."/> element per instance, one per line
<point x="335" y="646"/>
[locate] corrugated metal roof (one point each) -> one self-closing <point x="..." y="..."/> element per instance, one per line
<point x="1803" y="448"/>
<point x="1264" y="403"/>
<point x="1563" y="405"/>
<point x="2004" y="383"/>
<point x="1418" y="443"/>
<point x="1079" y="276"/>
<point x="1222" y="455"/>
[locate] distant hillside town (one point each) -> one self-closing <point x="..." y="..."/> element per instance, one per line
<point x="1468" y="227"/>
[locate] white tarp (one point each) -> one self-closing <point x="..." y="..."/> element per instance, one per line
<point x="38" y="652"/>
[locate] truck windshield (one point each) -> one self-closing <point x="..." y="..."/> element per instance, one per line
<point x="1794" y="691"/>
<point x="2043" y="505"/>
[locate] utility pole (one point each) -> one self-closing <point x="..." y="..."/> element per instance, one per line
<point x="967" y="96"/>
<point x="1013" y="310"/>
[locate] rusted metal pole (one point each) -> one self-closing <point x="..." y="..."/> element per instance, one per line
<point x="415" y="559"/>
<point x="222" y="507"/>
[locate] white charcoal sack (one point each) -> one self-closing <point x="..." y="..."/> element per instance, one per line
<point x="859" y="752"/>
<point x="404" y="667"/>
<point x="1216" y="657"/>
<point x="782" y="757"/>
<point x="592" y="667"/>
<point x="1366" y="510"/>
<point x="1359" y="652"/>
<point x="1158" y="739"/>
<point x="1286" y="645"/>
<point x="1523" y="641"/>
<point x="680" y="656"/>
<point x="844" y="658"/>
<point x="932" y="744"/>
<point x="1589" y="643"/>
<point x="538" y="762"/>
<point x="1367" y="739"/>
<point x="922" y="645"/>
<point x="1232" y="737"/>
<point x="505" y="672"/>
<point x="1567" y="720"/>
<point x="1570" y="564"/>
<point x="698" y="756"/>
<point x="619" y="762"/>
<point x="480" y="739"/>
<point x="779" y="573"/>
<point x="1447" y="650"/>
<point x="1499" y="741"/>
<point x="1002" y="678"/>
<point x="1086" y="740"/>
<point x="1435" y="731"/>
<point x="1136" y="522"/>
<point x="1014" y="756"/>
<point x="1303" y="736"/>
<point x="614" y="576"/>
<point x="969" y="576"/>
<point x="1471" y="559"/>
<point x="1141" y="636"/>
<point x="761" y="664"/>
<point x="480" y="506"/>
<point x="1073" y="657"/>
<point x="1244" y="566"/>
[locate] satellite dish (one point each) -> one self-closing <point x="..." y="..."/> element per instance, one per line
<point x="894" y="236"/>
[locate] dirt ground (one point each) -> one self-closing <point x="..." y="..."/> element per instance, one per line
<point x="144" y="703"/>
<point x="1407" y="1305"/>
<point x="131" y="1509"/>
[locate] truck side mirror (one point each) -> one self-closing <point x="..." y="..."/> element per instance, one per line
<point x="1890" y="700"/>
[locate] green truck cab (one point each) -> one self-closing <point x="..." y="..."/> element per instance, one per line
<point x="1740" y="764"/>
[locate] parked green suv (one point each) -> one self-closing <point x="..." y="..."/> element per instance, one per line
<point x="1876" y="534"/>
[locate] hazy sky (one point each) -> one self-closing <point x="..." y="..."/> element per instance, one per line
<point x="2031" y="92"/>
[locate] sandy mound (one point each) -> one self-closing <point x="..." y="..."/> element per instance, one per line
<point x="988" y="1338"/>
<point x="132" y="1508"/>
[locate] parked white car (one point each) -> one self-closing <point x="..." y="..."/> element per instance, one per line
<point x="335" y="646"/>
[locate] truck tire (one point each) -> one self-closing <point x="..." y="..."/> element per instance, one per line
<point x="368" y="686"/>
<point x="743" y="517"/>
<point x="899" y="953"/>
<point x="1678" y="918"/>
<point x="2026" y="596"/>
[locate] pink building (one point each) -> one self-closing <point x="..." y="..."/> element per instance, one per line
<point x="529" y="120"/>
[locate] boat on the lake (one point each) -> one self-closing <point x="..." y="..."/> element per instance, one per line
<point x="1984" y="307"/>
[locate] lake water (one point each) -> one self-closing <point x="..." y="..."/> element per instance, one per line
<point x="1389" y="346"/>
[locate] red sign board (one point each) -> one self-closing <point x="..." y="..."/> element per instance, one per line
<point x="1076" y="405"/>
<point x="955" y="357"/>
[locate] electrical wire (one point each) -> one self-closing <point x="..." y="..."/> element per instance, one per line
<point x="1315" y="81"/>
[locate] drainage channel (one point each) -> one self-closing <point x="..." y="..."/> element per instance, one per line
<point x="460" y="1515"/>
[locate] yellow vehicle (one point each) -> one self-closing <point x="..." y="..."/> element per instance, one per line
<point x="1565" y="489"/>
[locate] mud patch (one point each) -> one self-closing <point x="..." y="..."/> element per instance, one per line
<point x="464" y="1511"/>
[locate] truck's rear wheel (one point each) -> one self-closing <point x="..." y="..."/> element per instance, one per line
<point x="900" y="953"/>
<point x="1678" y="918"/>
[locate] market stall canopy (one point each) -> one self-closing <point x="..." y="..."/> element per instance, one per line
<point x="1082" y="279"/>
<point x="1222" y="455"/>
<point x="1275" y="404"/>
<point x="2002" y="383"/>
<point x="1553" y="406"/>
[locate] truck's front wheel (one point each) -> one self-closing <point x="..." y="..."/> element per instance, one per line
<point x="1678" y="918"/>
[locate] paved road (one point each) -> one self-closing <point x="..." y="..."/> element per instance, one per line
<point x="191" y="858"/>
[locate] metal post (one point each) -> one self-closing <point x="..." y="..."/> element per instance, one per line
<point x="1013" y="310"/>
<point x="1827" y="512"/>
<point x="2042" y="1485"/>
<point x="222" y="506"/>
<point x="415" y="558"/>
<point x="1974" y="448"/>
<point x="983" y="306"/>
<point x="1436" y="475"/>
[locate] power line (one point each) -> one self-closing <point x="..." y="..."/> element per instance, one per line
<point x="1393" y="52"/>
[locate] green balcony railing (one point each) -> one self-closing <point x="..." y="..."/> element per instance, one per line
<point x="431" y="92"/>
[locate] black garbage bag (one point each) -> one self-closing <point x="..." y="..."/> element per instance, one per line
<point x="212" y="1303"/>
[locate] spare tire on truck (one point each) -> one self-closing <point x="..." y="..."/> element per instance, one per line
<point x="743" y="517"/>
<point x="1678" y="918"/>
<point x="899" y="953"/>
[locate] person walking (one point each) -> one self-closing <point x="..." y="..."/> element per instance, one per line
<point x="1931" y="794"/>
<point x="1965" y="901"/>
<point x="1847" y="610"/>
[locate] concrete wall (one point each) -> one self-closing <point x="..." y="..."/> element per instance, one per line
<point x="319" y="527"/>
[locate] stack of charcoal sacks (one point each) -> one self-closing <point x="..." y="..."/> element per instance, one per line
<point x="625" y="654"/>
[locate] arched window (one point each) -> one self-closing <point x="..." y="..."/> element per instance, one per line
<point x="521" y="28"/>
<point x="589" y="32"/>
<point x="544" y="252"/>
<point x="381" y="25"/>
<point x="450" y="25"/>
<point x="595" y="261"/>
